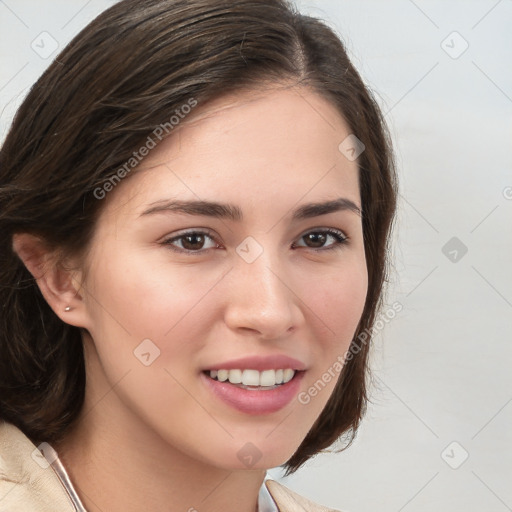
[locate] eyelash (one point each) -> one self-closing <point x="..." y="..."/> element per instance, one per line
<point x="340" y="237"/>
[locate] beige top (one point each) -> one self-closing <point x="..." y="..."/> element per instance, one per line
<point x="27" y="484"/>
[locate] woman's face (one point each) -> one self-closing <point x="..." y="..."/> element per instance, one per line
<point x="252" y="287"/>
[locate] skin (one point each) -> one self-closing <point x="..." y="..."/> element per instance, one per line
<point x="151" y="436"/>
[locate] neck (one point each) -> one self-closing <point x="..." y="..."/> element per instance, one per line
<point x="117" y="463"/>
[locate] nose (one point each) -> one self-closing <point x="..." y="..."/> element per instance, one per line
<point x="261" y="299"/>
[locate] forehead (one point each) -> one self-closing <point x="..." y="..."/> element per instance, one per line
<point x="250" y="118"/>
<point x="246" y="147"/>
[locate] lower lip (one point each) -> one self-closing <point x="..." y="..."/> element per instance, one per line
<point x="255" y="401"/>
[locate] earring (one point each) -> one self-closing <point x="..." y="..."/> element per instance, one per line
<point x="67" y="308"/>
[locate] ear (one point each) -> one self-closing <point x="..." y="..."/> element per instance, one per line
<point x="59" y="286"/>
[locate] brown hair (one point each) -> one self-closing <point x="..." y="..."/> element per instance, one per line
<point x="99" y="100"/>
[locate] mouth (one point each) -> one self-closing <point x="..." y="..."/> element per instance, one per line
<point x="253" y="392"/>
<point x="251" y="379"/>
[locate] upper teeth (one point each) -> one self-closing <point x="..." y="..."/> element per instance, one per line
<point x="254" y="377"/>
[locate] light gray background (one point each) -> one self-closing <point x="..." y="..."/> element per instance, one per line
<point x="442" y="366"/>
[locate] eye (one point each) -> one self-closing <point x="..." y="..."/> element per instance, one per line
<point x="317" y="239"/>
<point x="196" y="242"/>
<point x="190" y="242"/>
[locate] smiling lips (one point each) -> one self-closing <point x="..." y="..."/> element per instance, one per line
<point x="255" y="385"/>
<point x="253" y="379"/>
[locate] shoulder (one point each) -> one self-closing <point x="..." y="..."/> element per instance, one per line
<point x="289" y="501"/>
<point x="27" y="481"/>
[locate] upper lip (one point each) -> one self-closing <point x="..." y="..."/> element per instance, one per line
<point x="260" y="363"/>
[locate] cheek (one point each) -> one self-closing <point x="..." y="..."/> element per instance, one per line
<point x="337" y="299"/>
<point x="144" y="299"/>
<point x="337" y="303"/>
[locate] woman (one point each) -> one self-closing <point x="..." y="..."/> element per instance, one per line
<point x="196" y="199"/>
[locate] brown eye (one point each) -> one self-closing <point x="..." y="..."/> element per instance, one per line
<point x="317" y="239"/>
<point x="191" y="242"/>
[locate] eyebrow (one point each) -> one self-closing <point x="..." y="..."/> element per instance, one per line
<point x="234" y="213"/>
